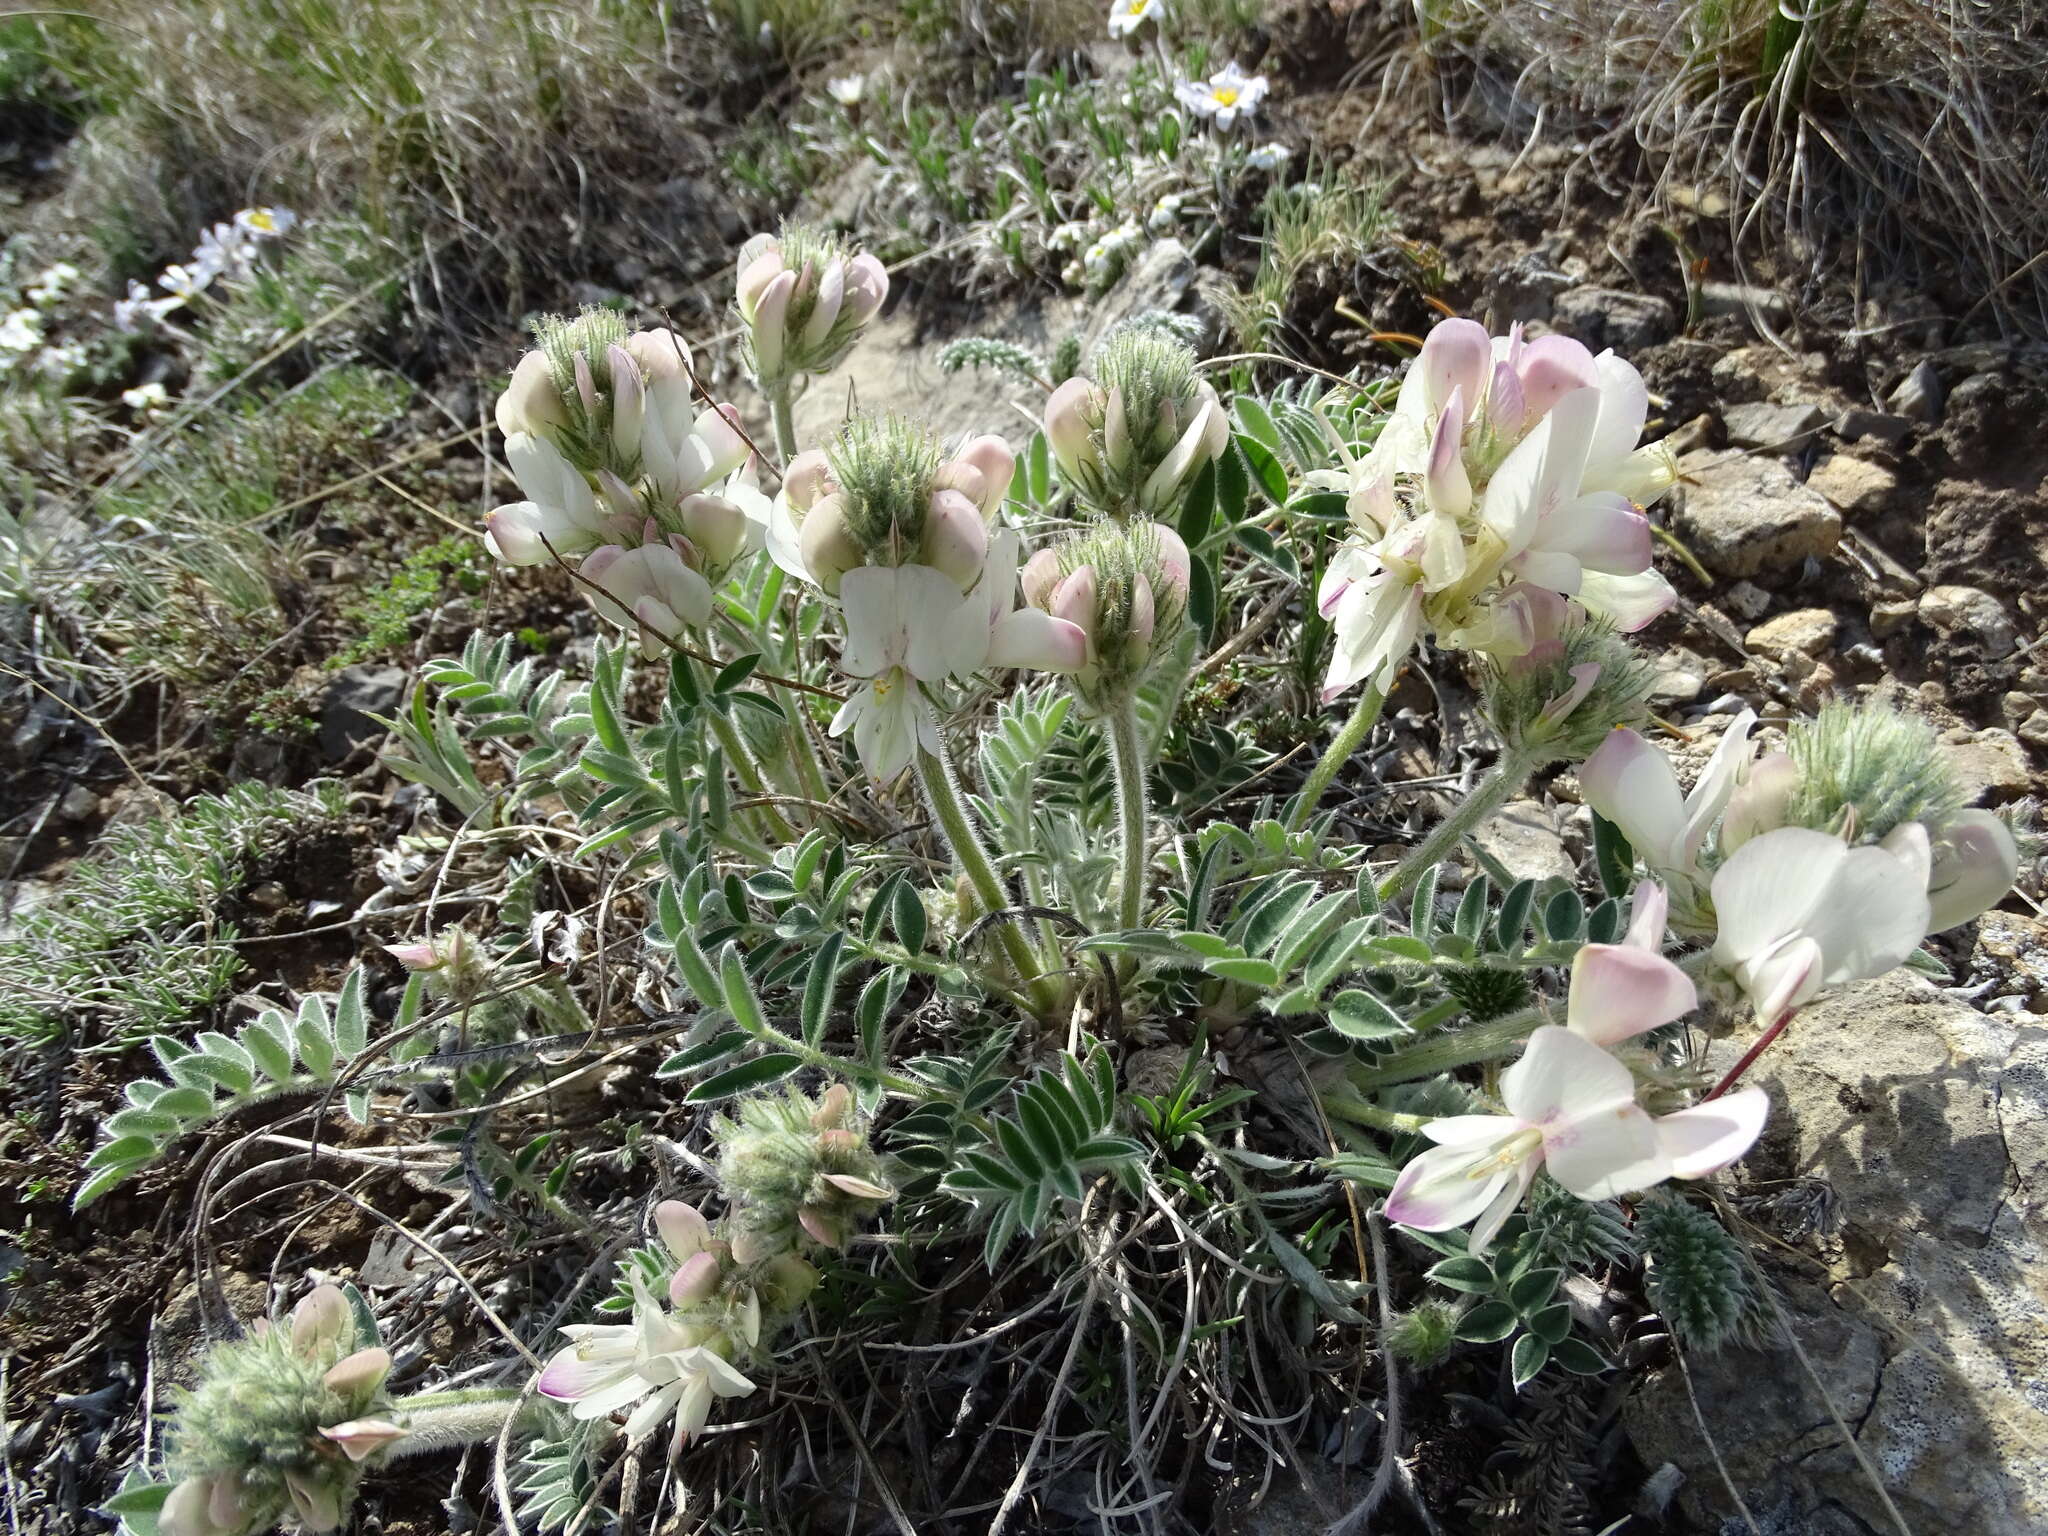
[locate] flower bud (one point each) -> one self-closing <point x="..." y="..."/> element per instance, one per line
<point x="809" y="476"/>
<point x="696" y="1280"/>
<point x="360" y="1438"/>
<point x="1760" y="802"/>
<point x="717" y="528"/>
<point x="1550" y="368"/>
<point x="531" y="402"/>
<point x="321" y="1322"/>
<point x="955" y="538"/>
<point x="1562" y="700"/>
<point x="804" y="299"/>
<point x="829" y="548"/>
<point x="791" y="1173"/>
<point x="833" y="1107"/>
<point x="998" y="465"/>
<point x="359" y="1374"/>
<point x="653" y="589"/>
<point x="1040" y="575"/>
<point x="1455" y="363"/>
<point x="1132" y="443"/>
<point x="1070" y="415"/>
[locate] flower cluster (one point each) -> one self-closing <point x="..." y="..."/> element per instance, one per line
<point x="1505" y="487"/>
<point x="1826" y="863"/>
<point x="804" y="299"/>
<point x="797" y="1170"/>
<point x="227" y="252"/>
<point x="1131" y="441"/>
<point x="620" y="466"/>
<point x="280" y="1421"/>
<point x="1572" y="1107"/>
<point x="1125" y="588"/>
<point x="907" y="541"/>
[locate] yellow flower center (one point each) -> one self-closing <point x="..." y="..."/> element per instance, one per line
<point x="1227" y="97"/>
<point x="1510" y="1152"/>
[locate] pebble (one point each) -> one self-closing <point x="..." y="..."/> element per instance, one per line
<point x="1973" y="612"/>
<point x="1745" y="516"/>
<point x="1746" y="600"/>
<point x="1892" y="614"/>
<point x="1803" y="631"/>
<point x="78" y="804"/>
<point x="1918" y="396"/>
<point x="1760" y="424"/>
<point x="1745" y="299"/>
<point x="1991" y="761"/>
<point x="1858" y="423"/>
<point x="1610" y="317"/>
<point x="1855" y="485"/>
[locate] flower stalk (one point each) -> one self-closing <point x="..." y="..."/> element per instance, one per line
<point x="1126" y="752"/>
<point x="1347" y="741"/>
<point x="949" y="809"/>
<point x="1492" y="792"/>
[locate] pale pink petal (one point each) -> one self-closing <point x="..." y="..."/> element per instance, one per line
<point x="1975" y="863"/>
<point x="1619" y="991"/>
<point x="359" y="1372"/>
<point x="860" y="1189"/>
<point x="1446" y="1187"/>
<point x="1769" y="887"/>
<point x="1502" y="1206"/>
<point x="683" y="1228"/>
<point x="1553" y="367"/>
<point x="359" y="1438"/>
<point x="1649" y="910"/>
<point x="1717" y="781"/>
<point x="1629" y="603"/>
<point x="1455" y="362"/>
<point x="1032" y="638"/>
<point x="1708" y="1137"/>
<point x="1633" y="785"/>
<point x="1605" y="1152"/>
<point x="320" y="1321"/>
<point x="1561" y="1077"/>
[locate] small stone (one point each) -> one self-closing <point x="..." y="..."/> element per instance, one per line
<point x="1738" y="376"/>
<point x="1681" y="677"/>
<point x="1745" y="299"/>
<point x="1610" y="317"/>
<point x="1524" y="839"/>
<point x="2034" y="729"/>
<point x="1746" y="516"/>
<point x="1804" y="631"/>
<point x="2016" y="946"/>
<point x="1780" y="428"/>
<point x="1918" y="396"/>
<point x="1971" y="612"/>
<point x="269" y="897"/>
<point x="1746" y="600"/>
<point x="1858" y="423"/>
<point x="78" y="804"/>
<point x="1855" y="485"/>
<point x="1992" y="761"/>
<point x="1891" y="614"/>
<point x="355" y="694"/>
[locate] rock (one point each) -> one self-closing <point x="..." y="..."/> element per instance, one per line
<point x="1745" y="516"/>
<point x="1858" y="423"/>
<point x="78" y="804"/>
<point x="1524" y="839"/>
<point x="1891" y="614"/>
<point x="1780" y="428"/>
<point x="1522" y="290"/>
<point x="1855" y="485"/>
<point x="1922" y="1118"/>
<point x="1159" y="279"/>
<point x="1918" y="395"/>
<point x="1738" y="376"/>
<point x="1746" y="600"/>
<point x="1974" y="614"/>
<point x="352" y="697"/>
<point x="2014" y="947"/>
<point x="1610" y="317"/>
<point x="1804" y="631"/>
<point x="2034" y="729"/>
<point x="1980" y="422"/>
<point x="1745" y="299"/>
<point x="1681" y="676"/>
<point x="1991" y="761"/>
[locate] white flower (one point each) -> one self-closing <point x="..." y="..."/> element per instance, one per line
<point x="1225" y="96"/>
<point x="140" y="310"/>
<point x="1165" y="212"/>
<point x="560" y="510"/>
<point x="1269" y="157"/>
<point x="21" y="331"/>
<point x="226" y="250"/>
<point x="656" y="1366"/>
<point x="1571" y="1108"/>
<point x="52" y="283"/>
<point x="1801" y="911"/>
<point x="184" y="282"/>
<point x="847" y="90"/>
<point x="652" y="589"/>
<point x="265" y="223"/>
<point x="990" y="630"/>
<point x="1126" y="16"/>
<point x="898" y="624"/>
<point x="60" y="362"/>
<point x="147" y="399"/>
<point x="1068" y="236"/>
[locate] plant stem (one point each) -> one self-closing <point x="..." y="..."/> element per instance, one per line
<point x="747" y="771"/>
<point x="1354" y="731"/>
<point x="1492" y="792"/>
<point x="949" y="808"/>
<point x="1749" y="1056"/>
<point x="785" y="421"/>
<point x="435" y="1421"/>
<point x="1348" y="1106"/>
<point x="1128" y="755"/>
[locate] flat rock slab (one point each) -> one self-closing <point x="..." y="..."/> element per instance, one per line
<point x="1750" y="517"/>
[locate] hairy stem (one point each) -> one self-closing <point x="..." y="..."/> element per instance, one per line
<point x="949" y="809"/>
<point x="785" y="421"/>
<point x="1763" y="1043"/>
<point x="1491" y="793"/>
<point x="1349" y="737"/>
<point x="1128" y="755"/>
<point x="742" y="763"/>
<point x="436" y="1421"/>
